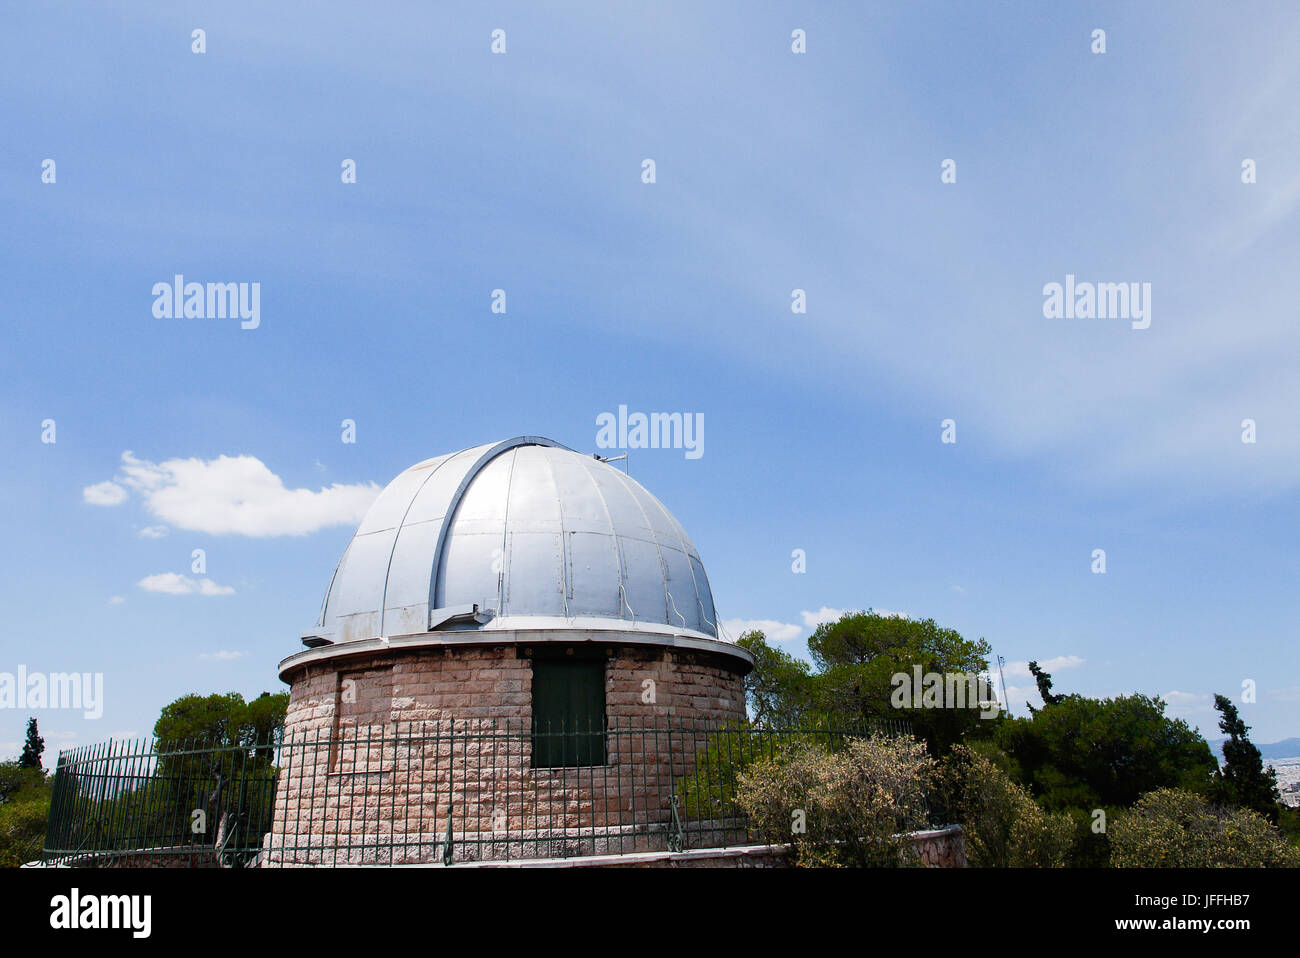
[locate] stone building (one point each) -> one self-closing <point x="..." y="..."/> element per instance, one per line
<point x="506" y="643"/>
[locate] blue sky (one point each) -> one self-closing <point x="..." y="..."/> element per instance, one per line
<point x="774" y="171"/>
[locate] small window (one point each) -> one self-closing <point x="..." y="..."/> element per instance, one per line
<point x="568" y="713"/>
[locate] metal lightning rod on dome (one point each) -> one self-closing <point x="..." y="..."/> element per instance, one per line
<point x="600" y="458"/>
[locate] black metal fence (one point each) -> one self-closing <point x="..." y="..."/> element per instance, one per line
<point x="414" y="793"/>
<point x="143" y="802"/>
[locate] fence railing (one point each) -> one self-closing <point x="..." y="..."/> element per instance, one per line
<point x="415" y="793"/>
<point x="145" y="802"/>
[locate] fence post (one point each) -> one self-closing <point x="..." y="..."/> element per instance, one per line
<point x="677" y="837"/>
<point x="451" y="789"/>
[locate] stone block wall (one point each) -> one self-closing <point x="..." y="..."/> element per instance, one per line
<point x="382" y="749"/>
<point x="941" y="847"/>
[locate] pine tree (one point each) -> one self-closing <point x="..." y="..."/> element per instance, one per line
<point x="1242" y="781"/>
<point x="1044" y="680"/>
<point x="32" y="748"/>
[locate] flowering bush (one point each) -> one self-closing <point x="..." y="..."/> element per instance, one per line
<point x="1003" y="825"/>
<point x="852" y="807"/>
<point x="1171" y="828"/>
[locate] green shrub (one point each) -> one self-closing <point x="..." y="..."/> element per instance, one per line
<point x="1171" y="828"/>
<point x="1288" y="823"/>
<point x="1040" y="839"/>
<point x="22" y="832"/>
<point x="1002" y="824"/>
<point x="709" y="792"/>
<point x="24" y="811"/>
<point x="851" y="807"/>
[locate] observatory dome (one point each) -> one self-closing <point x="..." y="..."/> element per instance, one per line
<point x="524" y="534"/>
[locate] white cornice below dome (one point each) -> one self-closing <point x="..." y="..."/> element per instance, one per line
<point x="613" y="634"/>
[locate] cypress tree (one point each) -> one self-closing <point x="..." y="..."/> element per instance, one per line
<point x="32" y="748"/>
<point x="1242" y="780"/>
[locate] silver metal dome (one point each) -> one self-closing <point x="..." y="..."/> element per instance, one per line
<point x="520" y="534"/>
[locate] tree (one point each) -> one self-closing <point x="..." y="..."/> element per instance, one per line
<point x="212" y="719"/>
<point x="1243" y="781"/>
<point x="779" y="689"/>
<point x="859" y="656"/>
<point x="216" y="755"/>
<point x="265" y="715"/>
<point x="33" y="748"/>
<point x="1093" y="758"/>
<point x="1044" y="682"/>
<point x="1084" y="753"/>
<point x="1171" y="828"/>
<point x="857" y="660"/>
<point x="221" y="719"/>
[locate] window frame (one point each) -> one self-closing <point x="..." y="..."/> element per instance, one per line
<point x="575" y="748"/>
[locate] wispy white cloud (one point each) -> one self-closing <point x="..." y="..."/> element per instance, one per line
<point x="771" y="629"/>
<point x="1094" y="400"/>
<point x="116" y="599"/>
<point x="104" y="494"/>
<point x="778" y="631"/>
<point x="1196" y="708"/>
<point x="891" y="614"/>
<point x="825" y="614"/>
<point x="1058" y="664"/>
<point x="173" y="583"/>
<point x="152" y="532"/>
<point x="231" y="495"/>
<point x="225" y="655"/>
<point x="1188" y="701"/>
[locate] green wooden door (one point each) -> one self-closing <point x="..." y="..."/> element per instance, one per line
<point x="568" y="713"/>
